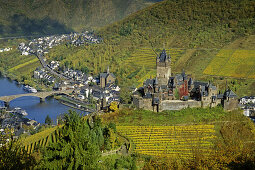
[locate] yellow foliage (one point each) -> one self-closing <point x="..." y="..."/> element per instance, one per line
<point x="40" y="138"/>
<point x="23" y="65"/>
<point x="170" y="141"/>
<point x="114" y="106"/>
<point x="233" y="63"/>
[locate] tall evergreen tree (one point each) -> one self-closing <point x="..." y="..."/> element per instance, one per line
<point x="75" y="148"/>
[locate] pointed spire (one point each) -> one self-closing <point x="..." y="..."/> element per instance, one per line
<point x="226" y="88"/>
<point x="183" y="73"/>
<point x="156" y="81"/>
<point x="108" y="70"/>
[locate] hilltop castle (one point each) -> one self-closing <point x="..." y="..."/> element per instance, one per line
<point x="167" y="92"/>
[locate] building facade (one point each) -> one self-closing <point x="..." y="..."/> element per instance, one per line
<point x="168" y="92"/>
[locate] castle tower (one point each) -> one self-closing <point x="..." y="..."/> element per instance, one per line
<point x="163" y="68"/>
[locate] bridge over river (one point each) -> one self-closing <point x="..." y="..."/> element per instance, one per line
<point x="41" y="95"/>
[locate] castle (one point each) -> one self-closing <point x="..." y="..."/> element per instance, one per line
<point x="167" y="92"/>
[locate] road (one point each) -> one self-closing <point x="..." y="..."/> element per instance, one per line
<point x="45" y="65"/>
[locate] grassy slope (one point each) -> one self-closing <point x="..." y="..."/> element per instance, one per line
<point x="198" y="33"/>
<point x="215" y="132"/>
<point x="195" y="38"/>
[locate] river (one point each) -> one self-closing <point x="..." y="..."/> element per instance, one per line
<point x="36" y="110"/>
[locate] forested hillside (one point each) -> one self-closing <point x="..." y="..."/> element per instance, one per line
<point x="26" y="17"/>
<point x="209" y="24"/>
<point x="207" y="39"/>
<point x="194" y="33"/>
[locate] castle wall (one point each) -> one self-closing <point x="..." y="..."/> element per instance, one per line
<point x="230" y="104"/>
<point x="178" y="104"/>
<point x="143" y="103"/>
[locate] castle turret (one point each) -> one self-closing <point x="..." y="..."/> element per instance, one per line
<point x="156" y="88"/>
<point x="163" y="68"/>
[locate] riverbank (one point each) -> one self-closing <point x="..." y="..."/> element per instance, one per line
<point x="32" y="82"/>
<point x="73" y="103"/>
<point x="36" y="109"/>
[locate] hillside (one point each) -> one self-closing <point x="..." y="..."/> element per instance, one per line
<point x="186" y="24"/>
<point x="28" y="17"/>
<point x="197" y="138"/>
<point x="207" y="39"/>
<point x="194" y="33"/>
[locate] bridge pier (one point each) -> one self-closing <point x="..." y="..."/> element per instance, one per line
<point x="7" y="105"/>
<point x="42" y="100"/>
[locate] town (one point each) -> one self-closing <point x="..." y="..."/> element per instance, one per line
<point x="137" y="84"/>
<point x="89" y="93"/>
<point x="96" y="94"/>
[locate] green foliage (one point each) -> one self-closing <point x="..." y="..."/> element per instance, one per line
<point x="48" y="120"/>
<point x="118" y="162"/>
<point x="176" y="94"/>
<point x="206" y="27"/>
<point x="131" y="117"/>
<point x="37" y="18"/>
<point x="79" y="144"/>
<point x="74" y="149"/>
<point x="13" y="156"/>
<point x="126" y="30"/>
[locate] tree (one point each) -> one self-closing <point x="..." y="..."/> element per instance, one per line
<point x="75" y="148"/>
<point x="48" y="120"/>
<point x="113" y="106"/>
<point x="12" y="156"/>
<point x="125" y="95"/>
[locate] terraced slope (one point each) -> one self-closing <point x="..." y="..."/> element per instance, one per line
<point x="233" y="63"/>
<point x="170" y="141"/>
<point x="41" y="139"/>
<point x="147" y="57"/>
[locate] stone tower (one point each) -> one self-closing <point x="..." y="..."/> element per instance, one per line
<point x="163" y="68"/>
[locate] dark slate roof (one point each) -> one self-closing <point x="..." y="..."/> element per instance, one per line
<point x="149" y="82"/>
<point x="199" y="83"/>
<point x="104" y="75"/>
<point x="112" y="75"/>
<point x="214" y="97"/>
<point x="163" y="87"/>
<point x="230" y="93"/>
<point x="148" y="95"/>
<point x="97" y="94"/>
<point x="179" y="79"/>
<point x="190" y="82"/>
<point x="136" y="92"/>
<point x="156" y="81"/>
<point x="185" y="98"/>
<point x="219" y="96"/>
<point x="183" y="74"/>
<point x="156" y="100"/>
<point x="19" y="132"/>
<point x="212" y="86"/>
<point x="204" y="92"/>
<point x="163" y="56"/>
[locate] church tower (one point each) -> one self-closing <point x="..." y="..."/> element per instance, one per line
<point x="163" y="68"/>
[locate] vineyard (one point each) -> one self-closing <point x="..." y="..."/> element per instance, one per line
<point x="170" y="141"/>
<point x="147" y="57"/>
<point x="233" y="63"/>
<point x="41" y="139"/>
